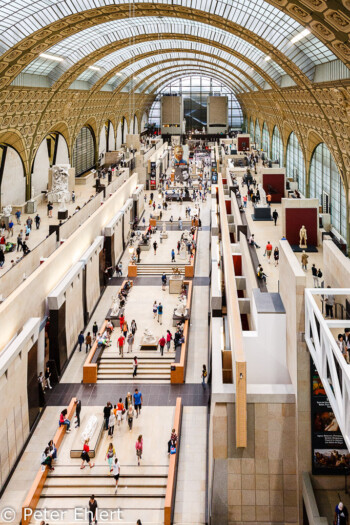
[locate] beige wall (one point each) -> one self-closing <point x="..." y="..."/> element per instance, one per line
<point x="217" y="110"/>
<point x="11" y="279"/>
<point x="93" y="290"/>
<point x="171" y="110"/>
<point x="74" y="311"/>
<point x="336" y="267"/>
<point x="36" y="288"/>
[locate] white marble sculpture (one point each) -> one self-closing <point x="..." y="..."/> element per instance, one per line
<point x="183" y="252"/>
<point x="148" y="336"/>
<point x="90" y="428"/>
<point x="115" y="305"/>
<point x="303" y="237"/>
<point x="59" y="189"/>
<point x="164" y="228"/>
<point x="181" y="307"/>
<point x="7" y="210"/>
<point x="262" y="192"/>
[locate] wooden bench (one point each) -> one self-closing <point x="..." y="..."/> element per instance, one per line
<point x="178" y="370"/>
<point x="91" y="366"/>
<point x="169" y="504"/>
<point x="35" y="490"/>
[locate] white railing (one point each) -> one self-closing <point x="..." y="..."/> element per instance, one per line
<point x="331" y="366"/>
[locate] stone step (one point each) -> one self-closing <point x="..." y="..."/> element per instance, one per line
<point x="134" y="380"/>
<point x="129" y="367"/>
<point x="73" y="470"/>
<point x="105" y="481"/>
<point x="69" y="491"/>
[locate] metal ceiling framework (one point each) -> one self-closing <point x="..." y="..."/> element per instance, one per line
<point x="254" y="26"/>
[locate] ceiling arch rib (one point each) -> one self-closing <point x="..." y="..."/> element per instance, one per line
<point x="15" y="60"/>
<point x="145" y="83"/>
<point x="192" y="51"/>
<point x="142" y="66"/>
<point x="76" y="47"/>
<point x="22" y="18"/>
<point x="155" y="83"/>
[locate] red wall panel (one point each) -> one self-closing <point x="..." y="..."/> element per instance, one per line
<point x="237" y="263"/>
<point x="228" y="207"/>
<point x="274" y="184"/>
<point x="295" y="218"/>
<point x="243" y="143"/>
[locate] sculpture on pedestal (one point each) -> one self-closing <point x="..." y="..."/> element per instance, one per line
<point x="148" y="337"/>
<point x="183" y="252"/>
<point x="90" y="428"/>
<point x="181" y="307"/>
<point x="262" y="192"/>
<point x="60" y="183"/>
<point x="303" y="237"/>
<point x="115" y="306"/>
<point x="7" y="210"/>
<point x="164" y="228"/>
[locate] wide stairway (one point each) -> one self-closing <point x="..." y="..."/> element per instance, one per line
<point x="140" y="488"/>
<point x="159" y="269"/>
<point x="151" y="367"/>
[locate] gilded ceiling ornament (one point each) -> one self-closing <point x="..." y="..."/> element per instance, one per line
<point x="322" y="30"/>
<point x="337" y="19"/>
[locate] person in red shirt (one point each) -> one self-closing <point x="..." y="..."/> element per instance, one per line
<point x="161" y="343"/>
<point x="85" y="455"/>
<point x="121" y="341"/>
<point x="268" y="251"/>
<point x="121" y="321"/>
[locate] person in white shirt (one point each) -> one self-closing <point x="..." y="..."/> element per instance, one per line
<point x="116" y="473"/>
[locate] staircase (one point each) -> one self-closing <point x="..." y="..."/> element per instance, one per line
<point x="154" y="269"/>
<point x="151" y="368"/>
<point x="140" y="487"/>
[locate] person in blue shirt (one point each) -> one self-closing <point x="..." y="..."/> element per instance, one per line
<point x="163" y="281"/>
<point x="80" y="340"/>
<point x="160" y="313"/>
<point x="173" y="255"/>
<point x="341" y="515"/>
<point x="137" y="402"/>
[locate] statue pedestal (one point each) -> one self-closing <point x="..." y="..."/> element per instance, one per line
<point x="145" y="246"/>
<point x="62" y="215"/>
<point x="31" y="207"/>
<point x="175" y="284"/>
<point x="177" y="318"/>
<point x="163" y="235"/>
<point x="262" y="213"/>
<point x="6" y="219"/>
<point x="145" y="345"/>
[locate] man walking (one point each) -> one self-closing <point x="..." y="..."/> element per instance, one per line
<point x="155" y="246"/>
<point x="275" y="216"/>
<point x="81" y="340"/>
<point x="77" y="412"/>
<point x="106" y="413"/>
<point x="314" y="275"/>
<point x="330" y="300"/>
<point x="92" y="510"/>
<point x="121" y="340"/>
<point x="161" y="344"/>
<point x="116" y="473"/>
<point x="173" y="255"/>
<point x="138" y="253"/>
<point x="94" y="330"/>
<point x="160" y="313"/>
<point x="137" y="401"/>
<point x="163" y="281"/>
<point x="37" y="221"/>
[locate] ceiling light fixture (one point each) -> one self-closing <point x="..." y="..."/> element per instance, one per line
<point x="267" y="58"/>
<point x="94" y="68"/>
<point x="51" y="57"/>
<point x="301" y="35"/>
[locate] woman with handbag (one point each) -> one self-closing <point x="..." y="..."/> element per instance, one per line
<point x="130" y="416"/>
<point x="110" y="454"/>
<point x="139" y="449"/>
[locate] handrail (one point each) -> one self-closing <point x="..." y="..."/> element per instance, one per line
<point x="169" y="503"/>
<point x="178" y="370"/>
<point x="234" y="324"/>
<point x="35" y="490"/>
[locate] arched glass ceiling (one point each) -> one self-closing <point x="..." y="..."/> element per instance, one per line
<point x="147" y="80"/>
<point x="137" y="65"/>
<point x="155" y="84"/>
<point x="128" y="54"/>
<point x="20" y="18"/>
<point x="80" y="45"/>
